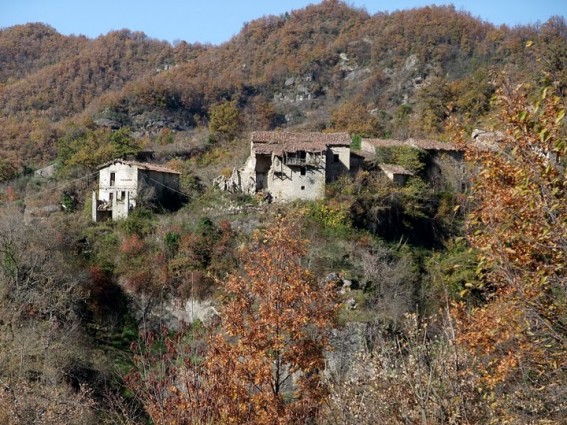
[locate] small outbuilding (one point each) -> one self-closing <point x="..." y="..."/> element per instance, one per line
<point x="124" y="184"/>
<point x="396" y="173"/>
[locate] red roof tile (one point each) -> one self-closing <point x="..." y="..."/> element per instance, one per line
<point x="426" y="144"/>
<point x="277" y="142"/>
<point x="141" y="165"/>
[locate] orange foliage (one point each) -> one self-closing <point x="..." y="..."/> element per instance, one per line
<point x="132" y="244"/>
<point x="520" y="229"/>
<point x="356" y="119"/>
<point x="275" y="325"/>
<point x="11" y="195"/>
<point x="264" y="365"/>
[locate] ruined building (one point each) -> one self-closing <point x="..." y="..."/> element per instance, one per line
<point x="291" y="166"/>
<point x="125" y="184"/>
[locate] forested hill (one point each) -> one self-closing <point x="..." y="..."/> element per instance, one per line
<point x="325" y="66"/>
<point x="437" y="297"/>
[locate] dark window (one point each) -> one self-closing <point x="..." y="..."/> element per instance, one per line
<point x="336" y="157"/>
<point x="110" y="197"/>
<point x="303" y="171"/>
<point x="302" y="187"/>
<point x="112" y="179"/>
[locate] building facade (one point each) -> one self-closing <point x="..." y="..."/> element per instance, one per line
<point x="290" y="166"/>
<point x="123" y="185"/>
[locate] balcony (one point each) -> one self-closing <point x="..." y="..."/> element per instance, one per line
<point x="295" y="161"/>
<point x="313" y="161"/>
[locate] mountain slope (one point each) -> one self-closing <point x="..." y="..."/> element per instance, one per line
<point x="328" y="66"/>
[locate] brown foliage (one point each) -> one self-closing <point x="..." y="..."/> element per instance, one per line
<point x="275" y="324"/>
<point x="418" y="376"/>
<point x="519" y="226"/>
<point x="356" y="119"/>
<point x="264" y="365"/>
<point x="23" y="402"/>
<point x="40" y="340"/>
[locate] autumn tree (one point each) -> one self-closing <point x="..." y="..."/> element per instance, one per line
<point x="275" y="323"/>
<point x="225" y="122"/>
<point x="262" y="115"/>
<point x="354" y="117"/>
<point x="264" y="365"/>
<point x="519" y="227"/>
<point x="552" y="48"/>
<point x="7" y="170"/>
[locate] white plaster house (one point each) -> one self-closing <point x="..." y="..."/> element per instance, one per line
<point x="291" y="166"/>
<point x="121" y="183"/>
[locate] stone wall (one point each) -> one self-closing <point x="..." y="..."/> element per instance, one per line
<point x="337" y="162"/>
<point x="307" y="183"/>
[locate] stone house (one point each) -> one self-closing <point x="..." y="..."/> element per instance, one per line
<point x="433" y="147"/>
<point x="123" y="184"/>
<point x="291" y="166"/>
<point x="445" y="161"/>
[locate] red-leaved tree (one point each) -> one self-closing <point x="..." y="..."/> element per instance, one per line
<point x="263" y="365"/>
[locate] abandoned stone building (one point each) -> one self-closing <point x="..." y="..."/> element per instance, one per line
<point x="291" y="166"/>
<point x="396" y="173"/>
<point x="123" y="184"/>
<point x="444" y="161"/>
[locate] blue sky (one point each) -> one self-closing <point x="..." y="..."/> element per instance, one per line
<point x="216" y="21"/>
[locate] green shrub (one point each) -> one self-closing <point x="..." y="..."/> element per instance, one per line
<point x="356" y="142"/>
<point x="140" y="222"/>
<point x="333" y="217"/>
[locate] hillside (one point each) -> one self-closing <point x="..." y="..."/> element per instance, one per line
<point x="412" y="281"/>
<point x="326" y="66"/>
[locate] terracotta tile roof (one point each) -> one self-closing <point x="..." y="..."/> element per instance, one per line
<point x="277" y="142"/>
<point x="395" y="169"/>
<point x="426" y="144"/>
<point x="141" y="165"/>
<point x="433" y="145"/>
<point x="385" y="143"/>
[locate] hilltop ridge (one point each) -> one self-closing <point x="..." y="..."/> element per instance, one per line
<point x="327" y="66"/>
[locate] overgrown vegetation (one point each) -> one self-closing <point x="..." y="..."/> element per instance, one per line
<point x="458" y="297"/>
<point x="327" y="66"/>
